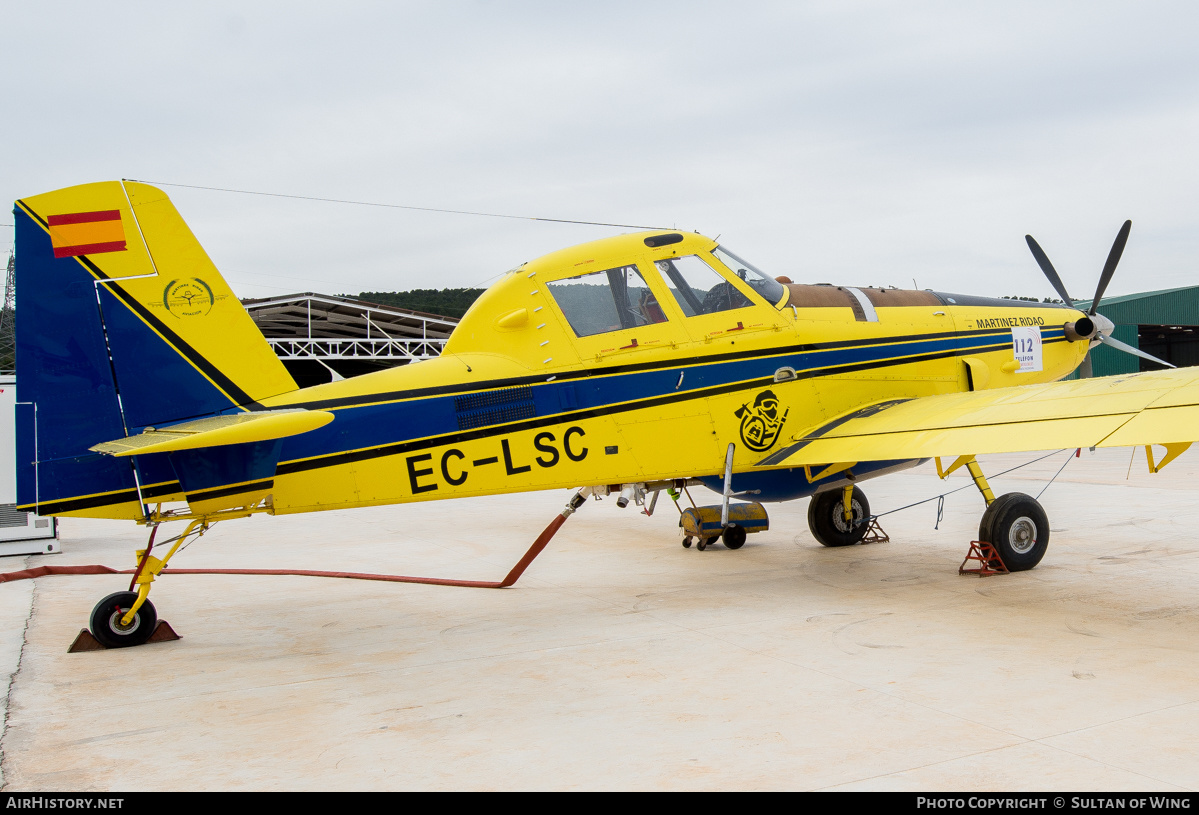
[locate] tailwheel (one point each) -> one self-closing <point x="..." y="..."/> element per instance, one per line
<point x="106" y="621"/>
<point x="826" y="517"/>
<point x="1016" y="525"/>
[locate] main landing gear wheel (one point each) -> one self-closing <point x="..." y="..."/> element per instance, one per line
<point x="733" y="536"/>
<point x="106" y="621"/>
<point x="826" y="517"/>
<point x="1016" y="525"/>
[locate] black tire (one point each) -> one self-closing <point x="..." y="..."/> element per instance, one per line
<point x="106" y="616"/>
<point x="1018" y="529"/>
<point x="686" y="543"/>
<point x="733" y="536"/>
<point x="988" y="520"/>
<point x="701" y="544"/>
<point x="826" y="517"/>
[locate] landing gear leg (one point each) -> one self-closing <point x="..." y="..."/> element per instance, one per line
<point x="976" y="472"/>
<point x="1014" y="523"/>
<point x="128" y="617"/>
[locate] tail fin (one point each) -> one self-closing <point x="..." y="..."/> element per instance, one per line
<point x="124" y="324"/>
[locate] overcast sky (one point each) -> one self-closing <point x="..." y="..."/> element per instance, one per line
<point x="856" y="143"/>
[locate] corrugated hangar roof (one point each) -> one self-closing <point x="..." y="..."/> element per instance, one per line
<point x="1178" y="306"/>
<point x="314" y="315"/>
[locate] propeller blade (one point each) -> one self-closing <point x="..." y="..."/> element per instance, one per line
<point x="1109" y="268"/>
<point x="1128" y="349"/>
<point x="1047" y="268"/>
<point x="1085" y="372"/>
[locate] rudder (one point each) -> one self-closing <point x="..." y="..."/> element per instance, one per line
<point x="124" y="323"/>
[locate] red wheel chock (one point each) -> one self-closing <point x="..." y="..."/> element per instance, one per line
<point x="874" y="533"/>
<point x="989" y="561"/>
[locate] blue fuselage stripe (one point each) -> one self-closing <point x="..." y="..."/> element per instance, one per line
<point x="372" y="426"/>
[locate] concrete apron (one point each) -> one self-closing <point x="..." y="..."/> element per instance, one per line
<point x="623" y="661"/>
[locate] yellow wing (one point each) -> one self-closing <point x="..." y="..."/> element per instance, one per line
<point x="1160" y="407"/>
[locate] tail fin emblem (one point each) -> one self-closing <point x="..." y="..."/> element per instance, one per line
<point x="188" y="297"/>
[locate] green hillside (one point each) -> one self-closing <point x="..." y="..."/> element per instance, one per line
<point x="444" y="302"/>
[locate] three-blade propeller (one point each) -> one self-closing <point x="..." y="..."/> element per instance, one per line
<point x="1103" y="326"/>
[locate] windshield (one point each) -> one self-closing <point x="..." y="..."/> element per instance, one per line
<point x="771" y="290"/>
<point x="698" y="288"/>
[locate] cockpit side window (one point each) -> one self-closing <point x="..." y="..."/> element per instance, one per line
<point x="771" y="290"/>
<point x="611" y="300"/>
<point x="698" y="288"/>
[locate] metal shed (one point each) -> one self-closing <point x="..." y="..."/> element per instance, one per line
<point x="321" y="337"/>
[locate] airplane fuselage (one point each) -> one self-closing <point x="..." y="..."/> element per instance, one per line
<point x="520" y="401"/>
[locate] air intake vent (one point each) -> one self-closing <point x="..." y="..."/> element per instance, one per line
<point x="494" y="407"/>
<point x="10" y="516"/>
<point x="654" y="241"/>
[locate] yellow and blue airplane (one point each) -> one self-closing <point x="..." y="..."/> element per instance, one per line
<point x="633" y="363"/>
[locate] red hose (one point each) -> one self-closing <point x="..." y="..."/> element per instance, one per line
<point x="43" y="571"/>
<point x="538" y="545"/>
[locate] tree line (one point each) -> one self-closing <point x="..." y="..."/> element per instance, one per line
<point x="443" y="302"/>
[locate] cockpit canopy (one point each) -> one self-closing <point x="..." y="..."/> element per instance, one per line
<point x="621" y="297"/>
<point x="625" y="294"/>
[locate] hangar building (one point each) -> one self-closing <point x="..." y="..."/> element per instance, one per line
<point x="1163" y="323"/>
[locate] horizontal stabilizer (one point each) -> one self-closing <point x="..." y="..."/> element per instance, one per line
<point x="218" y="431"/>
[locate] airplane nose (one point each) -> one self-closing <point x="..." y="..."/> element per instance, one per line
<point x="1103" y="324"/>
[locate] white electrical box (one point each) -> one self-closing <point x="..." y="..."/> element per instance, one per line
<point x="21" y="533"/>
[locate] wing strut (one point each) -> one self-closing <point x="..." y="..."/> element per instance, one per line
<point x="976" y="472"/>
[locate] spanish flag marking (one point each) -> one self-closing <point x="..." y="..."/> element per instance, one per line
<point x="86" y="233"/>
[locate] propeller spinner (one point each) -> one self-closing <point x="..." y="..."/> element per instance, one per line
<point x="1097" y="328"/>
